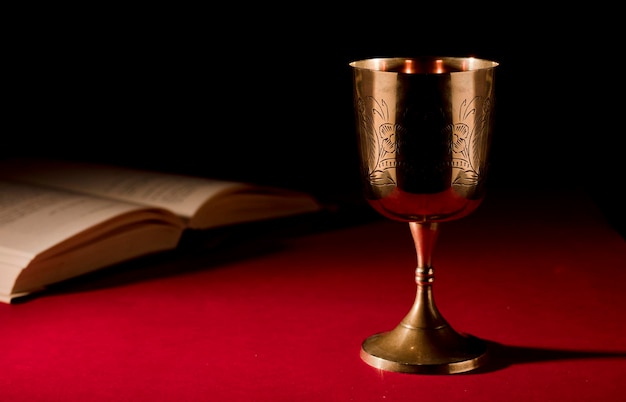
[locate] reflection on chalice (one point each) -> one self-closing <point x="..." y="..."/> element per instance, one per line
<point x="424" y="130"/>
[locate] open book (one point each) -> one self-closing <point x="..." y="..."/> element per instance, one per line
<point x="62" y="219"/>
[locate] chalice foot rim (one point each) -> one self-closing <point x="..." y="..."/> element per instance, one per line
<point x="424" y="351"/>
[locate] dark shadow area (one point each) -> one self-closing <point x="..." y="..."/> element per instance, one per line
<point x="269" y="99"/>
<point x="502" y="356"/>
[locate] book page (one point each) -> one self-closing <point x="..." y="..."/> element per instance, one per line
<point x="203" y="203"/>
<point x="183" y="195"/>
<point x="117" y="246"/>
<point x="34" y="219"/>
<point x="242" y="205"/>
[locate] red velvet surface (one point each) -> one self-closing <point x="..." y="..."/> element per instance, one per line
<point x="541" y="278"/>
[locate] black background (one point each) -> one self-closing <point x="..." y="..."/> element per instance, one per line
<point x="264" y="94"/>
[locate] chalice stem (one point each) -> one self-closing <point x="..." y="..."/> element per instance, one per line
<point x="423" y="342"/>
<point x="424" y="236"/>
<point x="424" y="313"/>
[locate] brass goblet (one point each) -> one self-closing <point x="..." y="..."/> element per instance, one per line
<point x="424" y="128"/>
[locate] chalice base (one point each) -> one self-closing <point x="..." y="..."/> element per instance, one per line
<point x="440" y="350"/>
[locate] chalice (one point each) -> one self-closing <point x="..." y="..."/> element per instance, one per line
<point x="424" y="128"/>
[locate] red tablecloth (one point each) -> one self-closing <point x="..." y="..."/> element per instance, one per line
<point x="542" y="278"/>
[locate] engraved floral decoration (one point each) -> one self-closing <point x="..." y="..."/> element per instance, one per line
<point x="383" y="134"/>
<point x="467" y="134"/>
